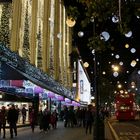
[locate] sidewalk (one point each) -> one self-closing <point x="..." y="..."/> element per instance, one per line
<point x="19" y="125"/>
<point x="75" y="133"/>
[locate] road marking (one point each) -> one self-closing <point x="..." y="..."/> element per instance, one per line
<point x="113" y="131"/>
<point x="129" y="133"/>
<point x="128" y="138"/>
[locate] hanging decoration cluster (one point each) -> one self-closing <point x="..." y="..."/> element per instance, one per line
<point x="102" y="11"/>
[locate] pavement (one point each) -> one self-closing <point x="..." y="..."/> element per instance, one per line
<point x="61" y="133"/>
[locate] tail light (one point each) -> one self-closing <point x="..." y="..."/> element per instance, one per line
<point x="132" y="114"/>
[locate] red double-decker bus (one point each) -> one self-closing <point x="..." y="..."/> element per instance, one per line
<point x="125" y="106"/>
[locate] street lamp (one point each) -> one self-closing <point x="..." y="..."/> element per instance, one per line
<point x="98" y="132"/>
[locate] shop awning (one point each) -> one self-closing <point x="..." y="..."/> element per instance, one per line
<point x="18" y="68"/>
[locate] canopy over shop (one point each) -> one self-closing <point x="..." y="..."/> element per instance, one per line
<point x="14" y="67"/>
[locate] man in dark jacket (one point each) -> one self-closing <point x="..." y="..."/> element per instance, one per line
<point x="12" y="119"/>
<point x="3" y="120"/>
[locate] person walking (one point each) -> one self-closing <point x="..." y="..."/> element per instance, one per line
<point x="89" y="119"/>
<point x="23" y="114"/>
<point x="46" y="119"/>
<point x="32" y="118"/>
<point x="12" y="118"/>
<point x="54" y="119"/>
<point x="3" y="120"/>
<point x="40" y="120"/>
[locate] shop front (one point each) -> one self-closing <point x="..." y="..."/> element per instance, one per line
<point x="19" y="79"/>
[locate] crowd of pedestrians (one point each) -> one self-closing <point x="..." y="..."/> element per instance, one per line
<point x="10" y="117"/>
<point x="46" y="120"/>
<point x="79" y="118"/>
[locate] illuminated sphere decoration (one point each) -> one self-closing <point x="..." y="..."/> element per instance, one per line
<point x="138" y="71"/>
<point x="129" y="34"/>
<point x="115" y="74"/>
<point x="119" y="86"/>
<point x="133" y="50"/>
<point x="104" y="73"/>
<point x="126" y="46"/>
<point x="117" y="56"/>
<point x="121" y="91"/>
<point x="133" y="63"/>
<point x="92" y="19"/>
<point x="80" y="34"/>
<point x="115" y="19"/>
<point x="115" y="68"/>
<point x="70" y="22"/>
<point x="86" y="64"/>
<point x="121" y="63"/>
<point x="93" y="51"/>
<point x="127" y="71"/>
<point x="133" y="84"/>
<point x="104" y="36"/>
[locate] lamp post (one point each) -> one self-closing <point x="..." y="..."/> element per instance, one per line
<point x="98" y="130"/>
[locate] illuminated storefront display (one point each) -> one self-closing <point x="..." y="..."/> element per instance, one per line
<point x="83" y="85"/>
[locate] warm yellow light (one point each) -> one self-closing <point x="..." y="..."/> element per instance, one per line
<point x="115" y="68"/>
<point x="70" y="22"/>
<point x="86" y="64"/>
<point x="104" y="73"/>
<point x="133" y="63"/>
<point x="0" y="96"/>
<point x="119" y="86"/>
<point x="126" y="45"/>
<point x="121" y="91"/>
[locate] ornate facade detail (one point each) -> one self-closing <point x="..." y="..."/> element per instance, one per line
<point x="39" y="49"/>
<point x="5" y="24"/>
<point x="39" y="41"/>
<point x="26" y="45"/>
<point x="51" y="48"/>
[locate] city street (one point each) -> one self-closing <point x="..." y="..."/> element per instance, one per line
<point x="126" y="130"/>
<point x="61" y="133"/>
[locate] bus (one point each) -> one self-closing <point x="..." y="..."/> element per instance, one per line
<point x="125" y="106"/>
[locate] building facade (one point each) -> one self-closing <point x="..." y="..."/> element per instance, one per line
<point x="36" y="30"/>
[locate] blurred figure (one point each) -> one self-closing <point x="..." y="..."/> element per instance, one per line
<point x="54" y="119"/>
<point x="12" y="118"/>
<point x="89" y="119"/>
<point x="79" y="116"/>
<point x="61" y="115"/>
<point x="40" y="116"/>
<point x="23" y="115"/>
<point x="3" y="116"/>
<point x="66" y="116"/>
<point x="46" y="119"/>
<point x="71" y="117"/>
<point x="32" y="119"/>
